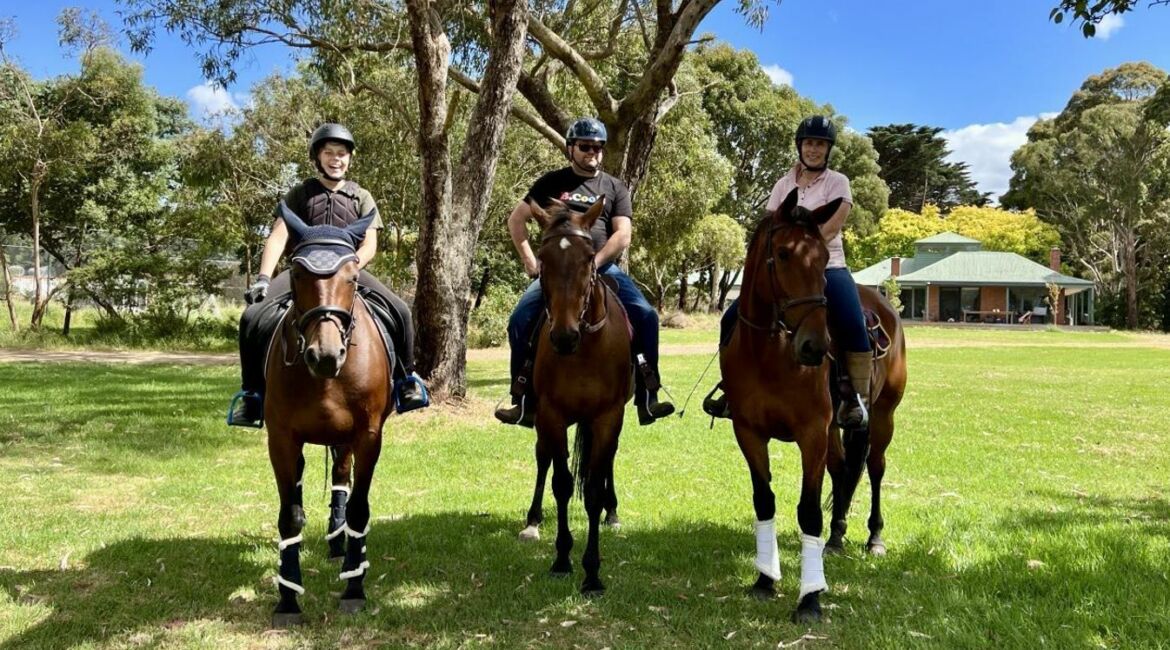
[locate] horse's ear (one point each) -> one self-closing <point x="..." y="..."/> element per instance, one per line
<point x="591" y="215"/>
<point x="787" y="206"/>
<point x="357" y="230"/>
<point x="539" y="214"/>
<point x="296" y="227"/>
<point x="826" y="211"/>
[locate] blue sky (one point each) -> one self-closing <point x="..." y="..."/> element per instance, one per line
<point x="984" y="71"/>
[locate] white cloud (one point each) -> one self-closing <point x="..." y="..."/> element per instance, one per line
<point x="987" y="149"/>
<point x="1108" y="25"/>
<point x="778" y="75"/>
<point x="208" y="100"/>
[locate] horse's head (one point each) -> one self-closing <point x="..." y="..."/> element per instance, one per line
<point x="567" y="269"/>
<point x="792" y="277"/>
<point x="324" y="278"/>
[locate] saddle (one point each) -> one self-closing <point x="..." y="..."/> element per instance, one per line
<point x="879" y="339"/>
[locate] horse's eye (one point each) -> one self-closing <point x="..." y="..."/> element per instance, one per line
<point x="783" y="254"/>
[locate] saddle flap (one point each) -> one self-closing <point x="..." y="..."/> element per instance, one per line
<point x="879" y="339"/>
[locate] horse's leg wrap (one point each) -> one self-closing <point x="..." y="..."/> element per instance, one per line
<point x="290" y="567"/>
<point x="812" y="565"/>
<point x="355" y="564"/>
<point x="337" y="521"/>
<point x="767" y="552"/>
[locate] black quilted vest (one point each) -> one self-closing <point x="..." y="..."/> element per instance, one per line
<point x="323" y="207"/>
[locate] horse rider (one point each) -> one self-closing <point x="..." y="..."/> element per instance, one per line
<point x="327" y="199"/>
<point x="579" y="186"/>
<point x="816" y="186"/>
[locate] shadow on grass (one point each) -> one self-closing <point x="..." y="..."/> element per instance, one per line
<point x="447" y="579"/>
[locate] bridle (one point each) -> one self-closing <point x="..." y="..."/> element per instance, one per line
<point x="588" y="327"/>
<point x="779" y="309"/>
<point x="336" y="314"/>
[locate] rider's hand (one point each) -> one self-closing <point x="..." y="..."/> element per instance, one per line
<point x="258" y="290"/>
<point x="532" y="268"/>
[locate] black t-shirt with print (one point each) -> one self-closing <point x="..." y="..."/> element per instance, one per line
<point x="580" y="193"/>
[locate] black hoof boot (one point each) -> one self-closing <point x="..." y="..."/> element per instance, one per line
<point x="592" y="588"/>
<point x="561" y="569"/>
<point x="352" y="606"/>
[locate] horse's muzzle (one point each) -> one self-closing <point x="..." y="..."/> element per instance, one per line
<point x="565" y="341"/>
<point x="324" y="365"/>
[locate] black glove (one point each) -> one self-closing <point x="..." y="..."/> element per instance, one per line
<point x="258" y="290"/>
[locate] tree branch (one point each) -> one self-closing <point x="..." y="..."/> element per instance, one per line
<point x="527" y="117"/>
<point x="594" y="85"/>
<point x="667" y="58"/>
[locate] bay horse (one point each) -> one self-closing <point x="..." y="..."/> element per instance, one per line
<point x="582" y="376"/>
<point x="329" y="384"/>
<point x="777" y="383"/>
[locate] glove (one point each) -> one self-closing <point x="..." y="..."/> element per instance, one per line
<point x="258" y="290"/>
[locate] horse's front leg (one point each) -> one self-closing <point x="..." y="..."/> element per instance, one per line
<point x="531" y="530"/>
<point x="813" y="442"/>
<point x="754" y="446"/>
<point x="342" y="464"/>
<point x="602" y="447"/>
<point x="366" y="449"/>
<point x="552" y="439"/>
<point x="288" y="465"/>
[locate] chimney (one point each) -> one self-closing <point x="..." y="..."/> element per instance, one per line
<point x="895" y="266"/>
<point x="1054" y="259"/>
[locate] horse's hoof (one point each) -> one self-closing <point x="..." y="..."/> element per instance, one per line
<point x="352" y="606"/>
<point x="834" y="548"/>
<point x="282" y="620"/>
<point x="530" y="534"/>
<point x="762" y="593"/>
<point x="809" y="610"/>
<point x="592" y="589"/>
<point x="876" y="549"/>
<point x="561" y="569"/>
<point x="614" y="522"/>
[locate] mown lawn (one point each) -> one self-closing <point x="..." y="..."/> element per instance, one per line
<point x="1025" y="506"/>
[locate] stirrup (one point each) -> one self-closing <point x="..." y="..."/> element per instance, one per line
<point x="238" y="416"/>
<point x="860" y="406"/>
<point x="716" y="407"/>
<point x="406" y="404"/>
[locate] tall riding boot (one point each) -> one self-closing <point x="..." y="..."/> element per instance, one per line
<point x="523" y="409"/>
<point x="853" y="413"/>
<point x="646" y="385"/>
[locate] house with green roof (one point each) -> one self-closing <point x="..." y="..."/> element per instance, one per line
<point x="951" y="279"/>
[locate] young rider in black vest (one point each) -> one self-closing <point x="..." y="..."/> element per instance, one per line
<point x="327" y="199"/>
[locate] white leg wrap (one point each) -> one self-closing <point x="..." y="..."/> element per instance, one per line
<point x="340" y="530"/>
<point x="285" y="543"/>
<point x="360" y="570"/>
<point x="343" y="488"/>
<point x="349" y="532"/>
<point x="291" y="585"/>
<point x="812" y="565"/>
<point x="767" y="553"/>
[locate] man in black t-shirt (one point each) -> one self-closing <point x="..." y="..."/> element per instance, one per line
<point x="579" y="186"/>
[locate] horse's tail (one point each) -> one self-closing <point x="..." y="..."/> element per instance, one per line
<point x="582" y="446"/>
<point x="856" y="452"/>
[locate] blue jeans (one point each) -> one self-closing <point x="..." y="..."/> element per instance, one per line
<point x="846" y="322"/>
<point x="642" y="314"/>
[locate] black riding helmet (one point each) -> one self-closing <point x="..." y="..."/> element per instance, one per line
<point x="816" y="127"/>
<point x="328" y="132"/>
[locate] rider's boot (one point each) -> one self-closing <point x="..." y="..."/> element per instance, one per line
<point x="246" y="410"/>
<point x="410" y="393"/>
<point x="646" y="394"/>
<point x="523" y="408"/>
<point x="853" y="412"/>
<point x="714" y="406"/>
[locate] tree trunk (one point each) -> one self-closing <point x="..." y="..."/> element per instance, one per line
<point x="682" y="293"/>
<point x="40" y="300"/>
<point x="713" y="287"/>
<point x="1129" y="269"/>
<point x="453" y="216"/>
<point x="725" y="285"/>
<point x="8" y="290"/>
<point x="482" y="290"/>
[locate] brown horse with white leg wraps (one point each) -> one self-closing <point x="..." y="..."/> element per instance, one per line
<point x="328" y="384"/>
<point x="583" y="376"/>
<point x="777" y="383"/>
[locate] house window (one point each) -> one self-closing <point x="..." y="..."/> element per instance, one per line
<point x="969" y="298"/>
<point x="913" y="303"/>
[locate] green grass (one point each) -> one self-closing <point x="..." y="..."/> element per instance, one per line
<point x="1024" y="501"/>
<point x="206" y="331"/>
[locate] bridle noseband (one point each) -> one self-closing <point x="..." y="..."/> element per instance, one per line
<point x="589" y="328"/>
<point x="780" y="324"/>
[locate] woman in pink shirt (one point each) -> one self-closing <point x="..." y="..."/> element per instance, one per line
<point x="816" y="185"/>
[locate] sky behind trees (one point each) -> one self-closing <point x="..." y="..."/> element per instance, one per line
<point x="982" y="71"/>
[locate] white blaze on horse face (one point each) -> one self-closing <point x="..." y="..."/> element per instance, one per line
<point x="565" y="243"/>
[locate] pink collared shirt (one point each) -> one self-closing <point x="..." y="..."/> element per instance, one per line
<point x="828" y="186"/>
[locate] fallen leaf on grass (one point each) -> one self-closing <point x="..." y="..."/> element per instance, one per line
<point x="1035" y="564"/>
<point x="568" y="623"/>
<point x="920" y="635"/>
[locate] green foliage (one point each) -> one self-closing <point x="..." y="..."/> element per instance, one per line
<point x="913" y="165"/>
<point x="1100" y="173"/>
<point x="1091" y="12"/>
<point x="893" y="292"/>
<point x="488" y="324"/>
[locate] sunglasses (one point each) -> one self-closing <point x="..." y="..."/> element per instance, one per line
<point x="590" y="148"/>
